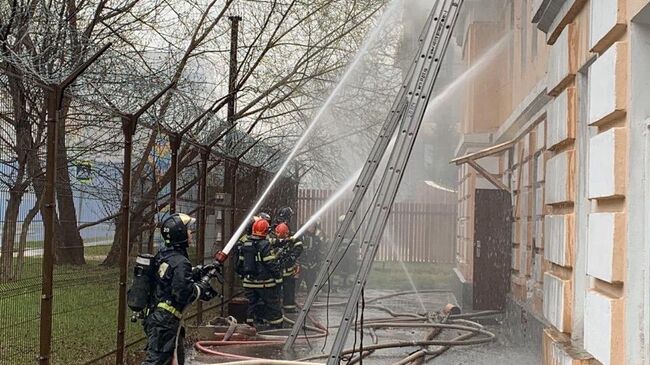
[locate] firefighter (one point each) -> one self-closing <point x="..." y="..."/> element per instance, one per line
<point x="313" y="241"/>
<point x="249" y="227"/>
<point x="289" y="250"/>
<point x="176" y="287"/>
<point x="260" y="270"/>
<point x="284" y="216"/>
<point x="349" y="254"/>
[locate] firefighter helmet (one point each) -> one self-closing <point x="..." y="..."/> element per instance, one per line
<point x="265" y="216"/>
<point x="174" y="229"/>
<point x="249" y="225"/>
<point x="285" y="214"/>
<point x="260" y="228"/>
<point x="282" y="230"/>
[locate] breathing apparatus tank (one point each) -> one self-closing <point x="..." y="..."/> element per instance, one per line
<point x="140" y="295"/>
<point x="248" y="256"/>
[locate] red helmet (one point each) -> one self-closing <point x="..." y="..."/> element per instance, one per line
<point x="282" y="230"/>
<point x="260" y="228"/>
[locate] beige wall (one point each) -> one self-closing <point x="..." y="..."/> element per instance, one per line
<point x="569" y="174"/>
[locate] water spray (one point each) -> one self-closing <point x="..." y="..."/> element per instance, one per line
<point x="471" y="72"/>
<point x="348" y="184"/>
<point x="222" y="255"/>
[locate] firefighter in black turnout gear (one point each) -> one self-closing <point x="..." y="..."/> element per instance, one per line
<point x="288" y="251"/>
<point x="349" y="252"/>
<point x="176" y="286"/>
<point x="260" y="270"/>
<point x="284" y="215"/>
<point x="313" y="241"/>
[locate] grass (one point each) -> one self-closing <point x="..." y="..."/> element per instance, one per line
<point x="34" y="244"/>
<point x="85" y="307"/>
<point x="391" y="276"/>
<point x="94" y="251"/>
<point x="85" y="315"/>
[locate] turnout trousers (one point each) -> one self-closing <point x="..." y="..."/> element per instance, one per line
<point x="289" y="293"/>
<point x="264" y="306"/>
<point x="309" y="277"/>
<point x="164" y="336"/>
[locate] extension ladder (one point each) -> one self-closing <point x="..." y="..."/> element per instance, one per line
<point x="409" y="108"/>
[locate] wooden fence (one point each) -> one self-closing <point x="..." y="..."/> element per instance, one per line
<point x="416" y="231"/>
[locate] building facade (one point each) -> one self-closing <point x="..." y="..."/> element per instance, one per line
<point x="557" y="117"/>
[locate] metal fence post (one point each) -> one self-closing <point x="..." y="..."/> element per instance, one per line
<point x="230" y="187"/>
<point x="232" y="76"/>
<point x="202" y="216"/>
<point x="53" y="102"/>
<point x="129" y="126"/>
<point x="47" y="271"/>
<point x="175" y="143"/>
<point x="128" y="129"/>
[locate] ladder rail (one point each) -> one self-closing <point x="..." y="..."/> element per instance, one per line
<point x="392" y="178"/>
<point x="378" y="151"/>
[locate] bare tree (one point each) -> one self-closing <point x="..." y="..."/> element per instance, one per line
<point x="290" y="54"/>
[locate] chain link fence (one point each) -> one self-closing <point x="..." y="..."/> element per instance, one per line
<point x="168" y="173"/>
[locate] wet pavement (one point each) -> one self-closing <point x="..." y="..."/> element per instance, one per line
<point x="500" y="351"/>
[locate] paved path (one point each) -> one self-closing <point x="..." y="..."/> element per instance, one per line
<point x="38" y="252"/>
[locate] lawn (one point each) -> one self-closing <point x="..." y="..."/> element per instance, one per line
<point x="85" y="307"/>
<point x="85" y="315"/>
<point x="393" y="276"/>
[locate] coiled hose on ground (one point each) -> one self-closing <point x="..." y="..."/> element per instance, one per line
<point x="396" y="320"/>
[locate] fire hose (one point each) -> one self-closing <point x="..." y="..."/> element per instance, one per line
<point x="397" y="344"/>
<point x="264" y="338"/>
<point x="397" y="320"/>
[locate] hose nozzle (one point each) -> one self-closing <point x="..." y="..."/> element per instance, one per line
<point x="220" y="257"/>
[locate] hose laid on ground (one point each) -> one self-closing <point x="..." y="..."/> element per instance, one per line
<point x="474" y="314"/>
<point x="269" y="362"/>
<point x="397" y="320"/>
<point x="419" y="355"/>
<point x="410" y="292"/>
<point x="381" y="297"/>
<point x="264" y="338"/>
<point x="488" y="336"/>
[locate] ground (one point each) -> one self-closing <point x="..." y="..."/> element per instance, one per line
<point x="85" y="317"/>
<point x="500" y="351"/>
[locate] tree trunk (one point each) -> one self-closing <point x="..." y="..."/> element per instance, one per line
<point x="22" y="246"/>
<point x="17" y="191"/>
<point x="71" y="251"/>
<point x="113" y="257"/>
<point x="9" y="235"/>
<point x="144" y="206"/>
<point x="35" y="172"/>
